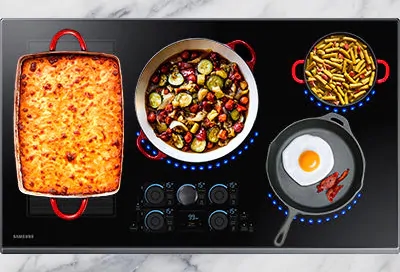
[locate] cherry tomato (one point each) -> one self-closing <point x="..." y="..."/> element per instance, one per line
<point x="194" y="108"/>
<point x="244" y="100"/>
<point x="169" y="108"/>
<point x="230" y="104"/>
<point x="151" y="117"/>
<point x="238" y="127"/>
<point x="201" y="135"/>
<point x="192" y="78"/>
<point x="164" y="69"/>
<point x="185" y="55"/>
<point x="155" y="79"/>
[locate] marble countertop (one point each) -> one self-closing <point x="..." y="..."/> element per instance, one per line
<point x="199" y="9"/>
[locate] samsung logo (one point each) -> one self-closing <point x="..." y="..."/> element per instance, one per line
<point x="23" y="236"/>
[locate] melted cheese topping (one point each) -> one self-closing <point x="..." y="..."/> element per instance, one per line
<point x="70" y="124"/>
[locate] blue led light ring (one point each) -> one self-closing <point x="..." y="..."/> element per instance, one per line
<point x="150" y="212"/>
<point x="210" y="166"/>
<point x="359" y="104"/>
<point x="317" y="220"/>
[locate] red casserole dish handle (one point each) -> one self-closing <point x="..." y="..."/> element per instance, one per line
<point x="139" y="141"/>
<point x="387" y="71"/>
<point x="68" y="217"/>
<point x="53" y="201"/>
<point x="251" y="62"/>
<point x="294" y="75"/>
<point x="59" y="34"/>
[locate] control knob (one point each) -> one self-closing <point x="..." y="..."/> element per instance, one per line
<point x="218" y="220"/>
<point x="187" y="194"/>
<point x="218" y="194"/>
<point x="154" y="194"/>
<point x="154" y="220"/>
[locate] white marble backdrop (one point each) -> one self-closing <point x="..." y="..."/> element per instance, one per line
<point x="199" y="9"/>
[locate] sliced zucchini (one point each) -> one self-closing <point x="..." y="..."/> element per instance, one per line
<point x="198" y="146"/>
<point x="212" y="134"/>
<point x="183" y="99"/>
<point x="163" y="80"/>
<point x="215" y="81"/>
<point x="155" y="100"/>
<point x="205" y="67"/>
<point x="178" y="140"/>
<point x="235" y="115"/>
<point x="176" y="79"/>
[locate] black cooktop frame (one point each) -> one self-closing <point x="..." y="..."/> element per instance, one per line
<point x="381" y="203"/>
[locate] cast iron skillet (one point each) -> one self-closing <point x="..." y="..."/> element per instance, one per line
<point x="335" y="130"/>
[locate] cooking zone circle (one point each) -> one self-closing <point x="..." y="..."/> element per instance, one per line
<point x="205" y="95"/>
<point x="311" y="219"/>
<point x="340" y="72"/>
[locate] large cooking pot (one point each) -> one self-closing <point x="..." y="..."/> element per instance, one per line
<point x="226" y="51"/>
<point x="18" y="149"/>
<point x="375" y="61"/>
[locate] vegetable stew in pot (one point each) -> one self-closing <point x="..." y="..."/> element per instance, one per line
<point x="197" y="101"/>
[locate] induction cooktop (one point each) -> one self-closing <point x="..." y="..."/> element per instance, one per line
<point x="224" y="205"/>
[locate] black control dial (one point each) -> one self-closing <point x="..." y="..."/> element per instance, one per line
<point x="154" y="220"/>
<point x="218" y="194"/>
<point x="218" y="220"/>
<point x="187" y="194"/>
<point x="154" y="194"/>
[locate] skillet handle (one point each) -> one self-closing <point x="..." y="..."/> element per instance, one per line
<point x="251" y="62"/>
<point x="338" y="119"/>
<point x="59" y="34"/>
<point x="280" y="238"/>
<point x="140" y="140"/>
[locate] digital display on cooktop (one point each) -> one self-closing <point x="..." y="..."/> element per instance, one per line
<point x="134" y="136"/>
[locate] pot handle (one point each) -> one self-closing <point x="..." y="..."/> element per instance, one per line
<point x="68" y="217"/>
<point x="338" y="119"/>
<point x="387" y="71"/>
<point x="59" y="34"/>
<point x="294" y="76"/>
<point x="140" y="140"/>
<point x="251" y="62"/>
<point x="280" y="238"/>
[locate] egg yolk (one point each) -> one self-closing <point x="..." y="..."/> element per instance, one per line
<point x="309" y="160"/>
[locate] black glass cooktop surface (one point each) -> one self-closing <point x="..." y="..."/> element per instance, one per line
<point x="231" y="206"/>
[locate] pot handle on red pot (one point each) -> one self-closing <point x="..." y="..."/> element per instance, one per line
<point x="68" y="217"/>
<point x="139" y="141"/>
<point x="294" y="75"/>
<point x="251" y="62"/>
<point x="59" y="34"/>
<point x="387" y="71"/>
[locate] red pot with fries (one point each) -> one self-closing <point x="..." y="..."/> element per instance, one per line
<point x="340" y="71"/>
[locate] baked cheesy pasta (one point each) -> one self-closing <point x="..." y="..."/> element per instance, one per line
<point x="69" y="123"/>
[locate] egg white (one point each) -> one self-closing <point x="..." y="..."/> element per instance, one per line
<point x="291" y="154"/>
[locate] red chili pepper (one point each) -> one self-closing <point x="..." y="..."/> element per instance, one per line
<point x="223" y="134"/>
<point x="340" y="56"/>
<point x="332" y="192"/>
<point x="352" y="73"/>
<point x="362" y="76"/>
<point x="194" y="108"/>
<point x="346" y="46"/>
<point x="324" y="76"/>
<point x="210" y="97"/>
<point x="222" y="118"/>
<point x="210" y="145"/>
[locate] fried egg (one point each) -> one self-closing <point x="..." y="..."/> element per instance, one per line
<point x="307" y="159"/>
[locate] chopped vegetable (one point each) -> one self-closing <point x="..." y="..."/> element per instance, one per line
<point x="155" y="100"/>
<point x="235" y="115"/>
<point x="201" y="79"/>
<point x="163" y="80"/>
<point x="212" y="134"/>
<point x="194" y="128"/>
<point x="176" y="79"/>
<point x="183" y="99"/>
<point x="178" y="140"/>
<point x="214" y="81"/>
<point x="198" y="146"/>
<point x="205" y="67"/>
